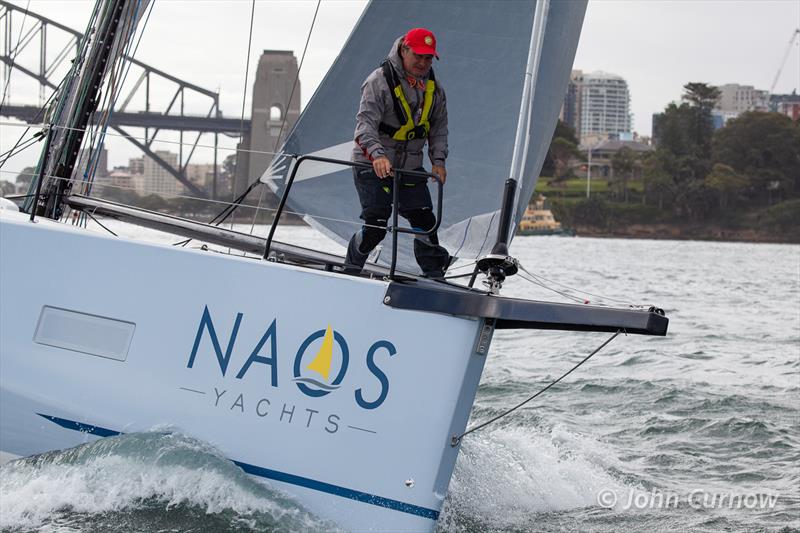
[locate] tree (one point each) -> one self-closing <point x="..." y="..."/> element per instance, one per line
<point x="561" y="151"/>
<point x="701" y="98"/>
<point x="567" y="136"/>
<point x="7" y="188"/>
<point x="764" y="147"/>
<point x="623" y="164"/>
<point x="25" y="177"/>
<point x="685" y="135"/>
<point x="701" y="95"/>
<point x="727" y="183"/>
<point x="153" y="202"/>
<point x="228" y="176"/>
<point x="658" y="182"/>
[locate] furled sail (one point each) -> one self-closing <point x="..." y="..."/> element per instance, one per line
<point x="485" y="48"/>
<point x="109" y="34"/>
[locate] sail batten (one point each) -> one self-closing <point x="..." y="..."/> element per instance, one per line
<point x="486" y="49"/>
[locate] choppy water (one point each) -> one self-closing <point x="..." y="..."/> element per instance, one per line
<point x="696" y="431"/>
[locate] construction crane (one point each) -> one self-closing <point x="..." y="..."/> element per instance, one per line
<point x="795" y="36"/>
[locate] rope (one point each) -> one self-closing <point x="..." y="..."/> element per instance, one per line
<point x="457" y="438"/>
<point x="91" y="215"/>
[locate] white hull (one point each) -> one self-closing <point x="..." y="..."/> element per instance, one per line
<point x="108" y="335"/>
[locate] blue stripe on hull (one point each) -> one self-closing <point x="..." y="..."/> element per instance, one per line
<point x="276" y="475"/>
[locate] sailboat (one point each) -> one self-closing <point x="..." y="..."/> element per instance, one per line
<point x="349" y="393"/>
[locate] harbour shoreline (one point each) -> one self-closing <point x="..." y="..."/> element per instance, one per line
<point x="687" y="233"/>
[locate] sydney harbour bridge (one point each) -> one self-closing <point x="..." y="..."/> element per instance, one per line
<point x="53" y="45"/>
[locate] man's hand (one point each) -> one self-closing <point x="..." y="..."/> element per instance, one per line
<point x="440" y="171"/>
<point x="382" y="167"/>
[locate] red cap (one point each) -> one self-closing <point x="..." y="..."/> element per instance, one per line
<point x="421" y="41"/>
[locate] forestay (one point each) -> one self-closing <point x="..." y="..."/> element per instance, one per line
<point x="484" y="48"/>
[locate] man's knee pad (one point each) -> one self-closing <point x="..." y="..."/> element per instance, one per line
<point x="423" y="219"/>
<point x="372" y="233"/>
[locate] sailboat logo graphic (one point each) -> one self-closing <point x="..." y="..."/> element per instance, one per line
<point x="315" y="363"/>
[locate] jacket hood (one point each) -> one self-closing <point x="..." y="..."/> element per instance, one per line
<point x="394" y="55"/>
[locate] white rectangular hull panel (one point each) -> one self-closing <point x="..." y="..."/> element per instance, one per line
<point x="301" y="377"/>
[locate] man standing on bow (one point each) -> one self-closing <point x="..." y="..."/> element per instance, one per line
<point x="402" y="108"/>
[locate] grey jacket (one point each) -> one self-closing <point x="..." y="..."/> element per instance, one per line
<point x="376" y="106"/>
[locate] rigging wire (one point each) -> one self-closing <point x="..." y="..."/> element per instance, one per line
<point x="19" y="148"/>
<point x="27" y="127"/>
<point x="289" y="101"/>
<point x="540" y="279"/>
<point x="297" y="77"/>
<point x="75" y="89"/>
<point x="244" y="92"/>
<point x="197" y="198"/>
<point x="544" y="286"/>
<point x="457" y="438"/>
<point x="41" y="125"/>
<point x="118" y="79"/>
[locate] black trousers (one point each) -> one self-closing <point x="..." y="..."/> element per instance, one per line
<point x="375" y="196"/>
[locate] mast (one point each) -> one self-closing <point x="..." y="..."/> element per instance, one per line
<point x="58" y="164"/>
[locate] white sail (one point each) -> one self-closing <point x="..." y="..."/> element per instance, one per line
<point x="485" y="50"/>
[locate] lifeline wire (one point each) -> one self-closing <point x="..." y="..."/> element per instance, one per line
<point x="457" y="438"/>
<point x="109" y="134"/>
<point x="199" y="199"/>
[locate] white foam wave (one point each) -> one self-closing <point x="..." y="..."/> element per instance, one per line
<point x="105" y="476"/>
<point x="505" y="475"/>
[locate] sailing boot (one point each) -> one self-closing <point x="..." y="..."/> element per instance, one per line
<point x="355" y="259"/>
<point x="432" y="258"/>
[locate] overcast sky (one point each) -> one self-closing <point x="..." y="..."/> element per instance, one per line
<point x="657" y="46"/>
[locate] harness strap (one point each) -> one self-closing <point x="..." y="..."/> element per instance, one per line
<point x="408" y="130"/>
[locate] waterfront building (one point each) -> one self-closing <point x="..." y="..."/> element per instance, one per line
<point x="201" y="174"/>
<point x="735" y="98"/>
<point x="136" y="165"/>
<point x="603" y="153"/>
<point x="156" y="178"/>
<point x="597" y="105"/>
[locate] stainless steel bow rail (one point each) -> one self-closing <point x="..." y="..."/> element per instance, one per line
<point x="397" y="181"/>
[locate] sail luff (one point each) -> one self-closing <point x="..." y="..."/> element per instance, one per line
<point x="523" y="137"/>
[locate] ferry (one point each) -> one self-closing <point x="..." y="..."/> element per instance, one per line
<point x="539" y="220"/>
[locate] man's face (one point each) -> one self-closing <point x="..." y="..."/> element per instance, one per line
<point x="415" y="64"/>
